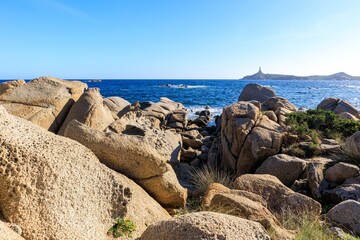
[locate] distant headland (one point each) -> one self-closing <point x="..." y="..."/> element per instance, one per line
<point x="268" y="76"/>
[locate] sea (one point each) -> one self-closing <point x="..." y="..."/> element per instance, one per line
<point x="197" y="94"/>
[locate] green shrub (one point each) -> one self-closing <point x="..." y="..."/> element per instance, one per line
<point x="122" y="227"/>
<point x="325" y="123"/>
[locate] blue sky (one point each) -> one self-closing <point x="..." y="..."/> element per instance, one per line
<point x="177" y="38"/>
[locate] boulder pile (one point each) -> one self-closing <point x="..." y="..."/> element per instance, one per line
<point x="76" y="165"/>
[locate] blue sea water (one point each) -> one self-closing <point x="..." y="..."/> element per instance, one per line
<point x="196" y="94"/>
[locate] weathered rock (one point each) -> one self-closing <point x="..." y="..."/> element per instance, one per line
<point x="6" y="233"/>
<point x="341" y="171"/>
<point x="315" y="177"/>
<point x="338" y="106"/>
<point x="271" y="115"/>
<point x="346" y="115"/>
<point x="187" y="155"/>
<point x="235" y="202"/>
<point x="328" y="104"/>
<point x="275" y="103"/>
<point x="286" y="168"/>
<point x="142" y="157"/>
<point x="263" y="141"/>
<point x="342" y="193"/>
<point x="351" y="146"/>
<point x="89" y="110"/>
<point x="346" y="214"/>
<point x="205" y="225"/>
<point x="9" y="85"/>
<point x="177" y="119"/>
<point x="247" y="138"/>
<point x="55" y="188"/>
<point x="277" y="195"/>
<point x="115" y="105"/>
<point x="256" y="92"/>
<point x="192" y="142"/>
<point x="44" y="101"/>
<point x="163" y="108"/>
<point x="354" y="180"/>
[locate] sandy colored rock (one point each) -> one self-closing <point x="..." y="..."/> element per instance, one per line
<point x="274" y="103"/>
<point x="256" y="92"/>
<point x="263" y="141"/>
<point x="277" y="195"/>
<point x="351" y="146"/>
<point x="315" y="178"/>
<point x="9" y="85"/>
<point x="234" y="202"/>
<point x="7" y="233"/>
<point x="116" y="104"/>
<point x="346" y="115"/>
<point x="346" y="214"/>
<point x="206" y="225"/>
<point x="237" y="121"/>
<point x="341" y="171"/>
<point x="142" y="154"/>
<point x="55" y="188"/>
<point x="286" y="168"/>
<point x="338" y="106"/>
<point x="89" y="110"/>
<point x="44" y="101"/>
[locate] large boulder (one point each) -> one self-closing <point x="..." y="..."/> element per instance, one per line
<point x="256" y="92"/>
<point x="346" y="214"/>
<point x="206" y="225"/>
<point x="44" y="101"/>
<point x="143" y="154"/>
<point x="351" y="146"/>
<point x="274" y="103"/>
<point x="342" y="193"/>
<point x="245" y="205"/>
<point x="341" y="171"/>
<point x="247" y="138"/>
<point x="279" y="197"/>
<point x="90" y="110"/>
<point x="116" y="104"/>
<point x="286" y="168"/>
<point x="55" y="188"/>
<point x="338" y="106"/>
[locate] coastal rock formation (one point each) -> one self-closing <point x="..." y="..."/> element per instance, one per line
<point x="89" y="110"/>
<point x="55" y="188"/>
<point x="141" y="153"/>
<point x="278" y="197"/>
<point x="44" y="101"/>
<point x="351" y="146"/>
<point x="256" y="92"/>
<point x="274" y="103"/>
<point x="115" y="104"/>
<point x="347" y="214"/>
<point x="206" y="225"/>
<point x="245" y="205"/>
<point x="170" y="113"/>
<point x="247" y="137"/>
<point x="338" y="106"/>
<point x="341" y="171"/>
<point x="342" y="193"/>
<point x="286" y="168"/>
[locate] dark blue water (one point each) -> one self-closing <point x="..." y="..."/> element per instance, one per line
<point x="196" y="94"/>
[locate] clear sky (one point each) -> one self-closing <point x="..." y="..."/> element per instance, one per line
<point x="177" y="38"/>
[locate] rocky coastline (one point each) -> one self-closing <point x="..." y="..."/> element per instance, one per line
<point x="76" y="165"/>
